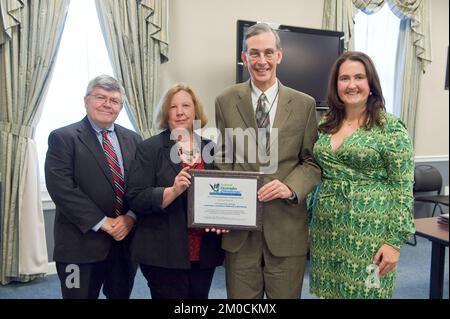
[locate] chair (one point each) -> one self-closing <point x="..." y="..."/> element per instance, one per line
<point x="427" y="179"/>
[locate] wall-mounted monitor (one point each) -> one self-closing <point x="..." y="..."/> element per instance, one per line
<point x="308" y="55"/>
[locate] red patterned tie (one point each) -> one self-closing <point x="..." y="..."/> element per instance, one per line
<point x="119" y="184"/>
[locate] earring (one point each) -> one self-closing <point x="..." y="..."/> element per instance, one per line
<point x="370" y="93"/>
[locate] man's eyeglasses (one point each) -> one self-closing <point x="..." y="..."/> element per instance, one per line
<point x="103" y="99"/>
<point x="269" y="54"/>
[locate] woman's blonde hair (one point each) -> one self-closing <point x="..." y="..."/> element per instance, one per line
<point x="162" y="117"/>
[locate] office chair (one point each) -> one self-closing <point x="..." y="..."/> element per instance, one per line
<point x="427" y="179"/>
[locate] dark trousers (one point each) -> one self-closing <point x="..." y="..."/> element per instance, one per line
<point x="165" y="283"/>
<point x="84" y="281"/>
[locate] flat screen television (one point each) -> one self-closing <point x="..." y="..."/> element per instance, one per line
<point x="308" y="55"/>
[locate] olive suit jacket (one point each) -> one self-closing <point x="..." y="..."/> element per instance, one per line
<point x="284" y="221"/>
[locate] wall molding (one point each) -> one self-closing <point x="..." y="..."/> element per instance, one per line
<point x="431" y="158"/>
<point x="51" y="268"/>
<point x="47" y="203"/>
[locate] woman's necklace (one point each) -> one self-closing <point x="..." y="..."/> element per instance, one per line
<point x="351" y="123"/>
<point x="188" y="156"/>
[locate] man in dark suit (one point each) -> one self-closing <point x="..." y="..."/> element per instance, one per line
<point x="86" y="175"/>
<point x="271" y="261"/>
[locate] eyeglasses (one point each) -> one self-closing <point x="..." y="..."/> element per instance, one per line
<point x="269" y="54"/>
<point x="103" y="99"/>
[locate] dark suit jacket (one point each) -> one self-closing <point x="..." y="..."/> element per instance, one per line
<point x="161" y="237"/>
<point x="80" y="184"/>
<point x="284" y="223"/>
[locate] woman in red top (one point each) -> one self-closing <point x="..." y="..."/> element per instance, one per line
<point x="177" y="261"/>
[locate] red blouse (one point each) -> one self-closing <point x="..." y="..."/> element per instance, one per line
<point x="195" y="234"/>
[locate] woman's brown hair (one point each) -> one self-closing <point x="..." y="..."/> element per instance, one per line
<point x="375" y="103"/>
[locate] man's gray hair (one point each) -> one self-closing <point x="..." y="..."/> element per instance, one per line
<point x="258" y="29"/>
<point x="107" y="83"/>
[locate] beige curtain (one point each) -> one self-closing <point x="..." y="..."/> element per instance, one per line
<point x="413" y="55"/>
<point x="339" y="15"/>
<point x="29" y="39"/>
<point x="414" y="45"/>
<point x="369" y="6"/>
<point x="136" y="35"/>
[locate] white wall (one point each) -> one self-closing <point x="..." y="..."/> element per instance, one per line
<point x="202" y="37"/>
<point x="432" y="114"/>
<point x="202" y="53"/>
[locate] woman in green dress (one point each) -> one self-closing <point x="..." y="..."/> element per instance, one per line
<point x="363" y="207"/>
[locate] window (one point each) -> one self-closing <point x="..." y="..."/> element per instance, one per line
<point x="377" y="36"/>
<point x="82" y="55"/>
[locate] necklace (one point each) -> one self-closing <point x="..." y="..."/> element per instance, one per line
<point x="350" y="123"/>
<point x="188" y="156"/>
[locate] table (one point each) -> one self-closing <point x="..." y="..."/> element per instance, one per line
<point x="438" y="235"/>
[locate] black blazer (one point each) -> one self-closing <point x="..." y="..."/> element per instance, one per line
<point x="161" y="237"/>
<point x="80" y="184"/>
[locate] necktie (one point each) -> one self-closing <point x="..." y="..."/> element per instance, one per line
<point x="262" y="116"/>
<point x="119" y="184"/>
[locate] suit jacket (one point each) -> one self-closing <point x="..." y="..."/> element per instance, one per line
<point x="284" y="222"/>
<point x="161" y="237"/>
<point x="80" y="184"/>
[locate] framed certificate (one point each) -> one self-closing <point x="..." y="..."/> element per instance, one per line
<point x="224" y="199"/>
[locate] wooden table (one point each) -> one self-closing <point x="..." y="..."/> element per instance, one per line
<point x="438" y="235"/>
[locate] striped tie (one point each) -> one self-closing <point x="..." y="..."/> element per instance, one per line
<point x="262" y="117"/>
<point x="119" y="184"/>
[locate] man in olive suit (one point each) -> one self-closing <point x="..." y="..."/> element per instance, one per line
<point x="270" y="261"/>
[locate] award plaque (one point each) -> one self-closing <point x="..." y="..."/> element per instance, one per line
<point x="224" y="199"/>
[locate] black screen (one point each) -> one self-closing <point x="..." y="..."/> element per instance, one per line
<point x="308" y="55"/>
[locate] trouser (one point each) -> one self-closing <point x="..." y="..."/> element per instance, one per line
<point x="254" y="270"/>
<point x="166" y="283"/>
<point x="83" y="281"/>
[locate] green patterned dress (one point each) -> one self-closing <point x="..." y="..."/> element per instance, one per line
<point x="365" y="200"/>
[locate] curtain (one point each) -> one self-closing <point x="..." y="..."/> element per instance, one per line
<point x="369" y="6"/>
<point x="29" y="38"/>
<point x="136" y="35"/>
<point x="339" y="15"/>
<point x="414" y="45"/>
<point x="413" y="55"/>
